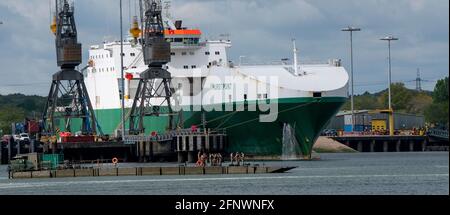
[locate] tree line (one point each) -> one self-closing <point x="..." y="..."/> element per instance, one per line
<point x="433" y="105"/>
<point x="18" y="107"/>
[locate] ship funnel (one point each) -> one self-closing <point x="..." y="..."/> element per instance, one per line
<point x="178" y="24"/>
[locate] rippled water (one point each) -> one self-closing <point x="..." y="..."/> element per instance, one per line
<point x="368" y="173"/>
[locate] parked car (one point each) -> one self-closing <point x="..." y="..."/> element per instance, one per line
<point x="329" y="132"/>
<point x="21" y="137"/>
<point x="24" y="137"/>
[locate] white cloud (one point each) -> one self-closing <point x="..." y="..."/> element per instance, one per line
<point x="34" y="12"/>
<point x="260" y="30"/>
<point x="417" y="5"/>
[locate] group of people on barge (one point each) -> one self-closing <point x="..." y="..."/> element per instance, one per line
<point x="216" y="159"/>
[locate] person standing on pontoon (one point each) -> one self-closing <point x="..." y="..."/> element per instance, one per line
<point x="231" y="158"/>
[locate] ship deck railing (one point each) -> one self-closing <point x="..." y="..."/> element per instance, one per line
<point x="170" y="135"/>
<point x="283" y="63"/>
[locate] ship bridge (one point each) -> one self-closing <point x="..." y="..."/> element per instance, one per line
<point x="183" y="38"/>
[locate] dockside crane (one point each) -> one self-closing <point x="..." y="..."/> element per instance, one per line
<point x="154" y="88"/>
<point x="68" y="101"/>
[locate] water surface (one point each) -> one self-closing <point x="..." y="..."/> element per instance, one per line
<point x="336" y="174"/>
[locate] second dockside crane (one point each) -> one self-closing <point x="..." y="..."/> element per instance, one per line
<point x="154" y="88"/>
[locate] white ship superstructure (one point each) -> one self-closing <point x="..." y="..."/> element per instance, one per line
<point x="194" y="59"/>
<point x="221" y="81"/>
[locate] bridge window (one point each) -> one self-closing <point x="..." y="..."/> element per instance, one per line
<point x="207" y="53"/>
<point x="191" y="53"/>
<point x="193" y="66"/>
<point x="217" y="53"/>
<point x="183" y="53"/>
<point x="172" y="53"/>
<point x="317" y="94"/>
<point x="190" y="41"/>
<point x="186" y="67"/>
<point x="132" y="54"/>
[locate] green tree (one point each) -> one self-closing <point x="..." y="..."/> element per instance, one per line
<point x="419" y="103"/>
<point x="9" y="115"/>
<point x="440" y="93"/>
<point x="28" y="104"/>
<point x="401" y="96"/>
<point x="365" y="101"/>
<point x="403" y="100"/>
<point x="438" y="111"/>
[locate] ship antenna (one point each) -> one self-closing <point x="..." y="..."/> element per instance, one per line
<point x="167" y="5"/>
<point x="295" y="58"/>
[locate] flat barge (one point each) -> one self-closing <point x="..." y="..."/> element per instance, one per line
<point x="148" y="171"/>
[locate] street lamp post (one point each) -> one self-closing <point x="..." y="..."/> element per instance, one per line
<point x="351" y="30"/>
<point x="391" y="111"/>
<point x="122" y="78"/>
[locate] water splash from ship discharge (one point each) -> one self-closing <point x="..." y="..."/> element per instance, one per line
<point x="290" y="144"/>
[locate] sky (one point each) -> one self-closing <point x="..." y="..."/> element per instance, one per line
<point x="261" y="30"/>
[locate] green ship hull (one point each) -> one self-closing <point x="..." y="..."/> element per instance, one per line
<point x="308" y="117"/>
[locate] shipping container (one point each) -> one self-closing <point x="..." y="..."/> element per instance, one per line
<point x="348" y="119"/>
<point x="33" y="127"/>
<point x="402" y="121"/>
<point x="348" y="128"/>
<point x="359" y="128"/>
<point x="52" y="161"/>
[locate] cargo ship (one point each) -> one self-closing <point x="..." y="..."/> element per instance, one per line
<point x="253" y="103"/>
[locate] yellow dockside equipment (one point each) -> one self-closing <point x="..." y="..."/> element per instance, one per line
<point x="390" y="113"/>
<point x="379" y="125"/>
